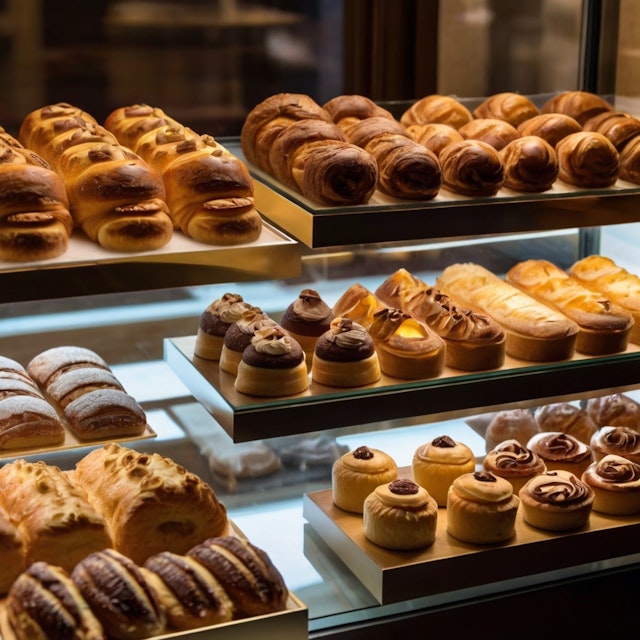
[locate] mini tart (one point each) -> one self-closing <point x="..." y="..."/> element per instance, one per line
<point x="513" y="462"/>
<point x="517" y="424"/>
<point x="272" y="365"/>
<point x="306" y="319"/>
<point x="567" y="418"/>
<point x="400" y="516"/>
<point x="481" y="508"/>
<point x="438" y="463"/>
<point x="358" y="304"/>
<point x="406" y="348"/>
<point x="561" y="451"/>
<point x="214" y="322"/>
<point x="345" y="356"/>
<point x="556" y="501"/>
<point x="621" y="441"/>
<point x="357" y="473"/>
<point x="616" y="485"/>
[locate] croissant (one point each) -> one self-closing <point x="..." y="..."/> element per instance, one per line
<point x="530" y="164"/>
<point x="587" y="159"/>
<point x="472" y="168"/>
<point x="115" y="198"/>
<point x="35" y="222"/>
<point x="347" y="109"/>
<point x="437" y="108"/>
<point x="435" y="136"/>
<point x="508" y="106"/>
<point x="630" y="161"/>
<point x="616" y="126"/>
<point x="580" y="105"/>
<point x="497" y="133"/>
<point x="551" y="127"/>
<point x="209" y="190"/>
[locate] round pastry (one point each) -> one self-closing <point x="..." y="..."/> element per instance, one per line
<point x="616" y="485"/>
<point x="530" y="164"/>
<point x="497" y="133"/>
<point x="406" y="348"/>
<point x="556" y="501"/>
<point x="516" y="424"/>
<point x="357" y="473"/>
<point x="400" y="516"/>
<point x="481" y="508"/>
<point x="471" y="168"/>
<point x="509" y="106"/>
<point x="306" y="319"/>
<point x="580" y="105"/>
<point x="437" y="108"/>
<point x="551" y="127"/>
<point x="567" y="418"/>
<point x="435" y="136"/>
<point x="513" y="462"/>
<point x="630" y="161"/>
<point x="436" y="464"/>
<point x="345" y="356"/>
<point x="588" y="160"/>
<point x="616" y="126"/>
<point x="214" y="322"/>
<point x="621" y="441"/>
<point x="561" y="451"/>
<point x="272" y="365"/>
<point x="614" y="410"/>
<point x="359" y="304"/>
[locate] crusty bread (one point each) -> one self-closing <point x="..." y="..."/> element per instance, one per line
<point x="534" y="331"/>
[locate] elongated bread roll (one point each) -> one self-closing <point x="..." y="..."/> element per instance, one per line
<point x="534" y="331"/>
<point x="604" y="326"/>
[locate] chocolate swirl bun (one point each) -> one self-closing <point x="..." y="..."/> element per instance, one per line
<point x="471" y="168"/>
<point x="513" y="462"/>
<point x="561" y="451"/>
<point x="616" y="485"/>
<point x="621" y="441"/>
<point x="587" y="159"/>
<point x="530" y="164"/>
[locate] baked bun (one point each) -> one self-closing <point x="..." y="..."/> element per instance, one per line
<point x="511" y="107"/>
<point x="621" y="441"/>
<point x="437" y="108"/>
<point x="471" y="168"/>
<point x="400" y="515"/>
<point x="630" y="161"/>
<point x="357" y="473"/>
<point x="580" y="105"/>
<point x="615" y="482"/>
<point x="347" y="109"/>
<point x="561" y="451"/>
<point x="618" y="127"/>
<point x="530" y="164"/>
<point x="510" y="424"/>
<point x="566" y="418"/>
<point x="435" y="136"/>
<point x="556" y="501"/>
<point x="551" y="127"/>
<point x="587" y="159"/>
<point x="494" y="132"/>
<point x="358" y="304"/>
<point x="614" y="410"/>
<point x="513" y="462"/>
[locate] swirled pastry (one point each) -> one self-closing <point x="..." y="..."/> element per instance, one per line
<point x="510" y="424"/>
<point x="437" y="108"/>
<point x="614" y="410"/>
<point x="561" y="451"/>
<point x="630" y="161"/>
<point x="471" y="168"/>
<point x="511" y="107"/>
<point x="580" y="105"/>
<point x="400" y="515"/>
<point x="513" y="462"/>
<point x="530" y="164"/>
<point x="496" y="133"/>
<point x="616" y="485"/>
<point x="567" y="418"/>
<point x="618" y="127"/>
<point x="621" y="441"/>
<point x="556" y="501"/>
<point x="587" y="159"/>
<point x="358" y="304"/>
<point x="435" y="136"/>
<point x="551" y="127"/>
<point x="347" y="109"/>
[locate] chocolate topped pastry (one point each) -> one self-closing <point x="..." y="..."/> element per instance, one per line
<point x="616" y="485"/>
<point x="214" y="322"/>
<point x="622" y="441"/>
<point x="513" y="462"/>
<point x="561" y="451"/>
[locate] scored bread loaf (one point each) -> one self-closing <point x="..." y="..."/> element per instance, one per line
<point x="534" y="331"/>
<point x="150" y="503"/>
<point x="604" y="326"/>
<point x="52" y="515"/>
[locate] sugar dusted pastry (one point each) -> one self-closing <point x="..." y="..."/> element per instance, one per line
<point x="513" y="462"/>
<point x="400" y="515"/>
<point x="359" y="304"/>
<point x="614" y="410"/>
<point x="438" y="463"/>
<point x="406" y="348"/>
<point x="616" y="485"/>
<point x="556" y="501"/>
<point x="621" y="441"/>
<point x="567" y="418"/>
<point x="357" y="473"/>
<point x="272" y="365"/>
<point x="517" y="424"/>
<point x="561" y="451"/>
<point x="345" y="356"/>
<point x="481" y="508"/>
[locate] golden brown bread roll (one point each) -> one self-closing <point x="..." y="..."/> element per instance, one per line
<point x="435" y="136"/>
<point x="630" y="161"/>
<point x="437" y="108"/>
<point x="471" y="168"/>
<point x="347" y="109"/>
<point x="530" y="164"/>
<point x="551" y="127"/>
<point x="580" y="105"/>
<point x="129" y="124"/>
<point x="27" y="421"/>
<point x="587" y="159"/>
<point x="497" y="133"/>
<point x="150" y="503"/>
<point x="511" y="107"/>
<point x="616" y="126"/>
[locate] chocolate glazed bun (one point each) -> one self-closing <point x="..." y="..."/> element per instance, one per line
<point x="471" y="168"/>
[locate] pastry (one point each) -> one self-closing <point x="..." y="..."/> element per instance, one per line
<point x="604" y="327"/>
<point x="618" y="127"/>
<point x="491" y="131"/>
<point x="435" y="136"/>
<point x="603" y="275"/>
<point x="306" y="319"/>
<point x="345" y="356"/>
<point x="45" y="366"/>
<point x="471" y="168"/>
<point x="511" y="107"/>
<point x="406" y="348"/>
<point x="580" y="105"/>
<point x="358" y="304"/>
<point x="129" y="124"/>
<point x="588" y="160"/>
<point x="615" y="482"/>
<point x="27" y="420"/>
<point x="150" y="503"/>
<point x="533" y="330"/>
<point x="119" y="595"/>
<point x="551" y="127"/>
<point x="346" y="109"/>
<point x="513" y="462"/>
<point x="401" y="516"/>
<point x="621" y="441"/>
<point x="189" y="594"/>
<point x="530" y="164"/>
<point x="357" y="473"/>
<point x="473" y="340"/>
<point x="44" y="603"/>
<point x="438" y="463"/>
<point x="481" y="508"/>
<point x="75" y="382"/>
<point x="556" y="501"/>
<point x="614" y="410"/>
<point x="566" y="418"/>
<point x="510" y="424"/>
<point x="53" y="517"/>
<point x="437" y="108"/>
<point x="12" y="551"/>
<point x="272" y="365"/>
<point x="246" y="573"/>
<point x="630" y="161"/>
<point x="561" y="451"/>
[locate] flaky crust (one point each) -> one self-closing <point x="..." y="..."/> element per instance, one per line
<point x="618" y="127"/>
<point x="580" y="105"/>
<point x="494" y="132"/>
<point x="551" y="127"/>
<point x="511" y="107"/>
<point x="435" y="136"/>
<point x="587" y="159"/>
<point x="437" y="108"/>
<point x="630" y="161"/>
<point x="471" y="168"/>
<point x="530" y="164"/>
<point x="346" y="109"/>
<point x="359" y="304"/>
<point x="510" y="424"/>
<point x="12" y="550"/>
